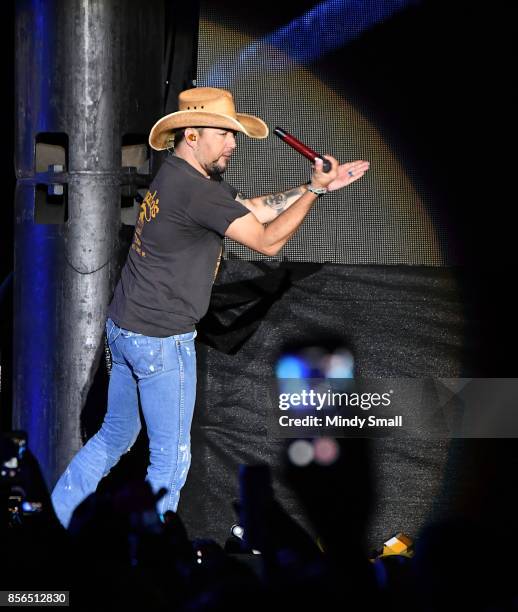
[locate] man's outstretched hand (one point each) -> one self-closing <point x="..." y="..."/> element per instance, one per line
<point x="348" y="173"/>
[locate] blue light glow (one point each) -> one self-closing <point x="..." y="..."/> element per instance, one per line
<point x="326" y="27"/>
<point x="36" y="268"/>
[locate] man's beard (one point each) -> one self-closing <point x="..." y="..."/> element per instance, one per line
<point x="215" y="170"/>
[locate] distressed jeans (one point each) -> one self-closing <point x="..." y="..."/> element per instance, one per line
<point x="163" y="371"/>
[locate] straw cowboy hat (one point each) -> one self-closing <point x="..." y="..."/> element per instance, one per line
<point x="205" y="107"/>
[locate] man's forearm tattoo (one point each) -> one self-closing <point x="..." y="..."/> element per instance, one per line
<point x="282" y="200"/>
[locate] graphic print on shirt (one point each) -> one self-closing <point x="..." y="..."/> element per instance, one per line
<point x="149" y="209"/>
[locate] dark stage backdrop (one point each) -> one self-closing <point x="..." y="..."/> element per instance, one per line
<point x="400" y="321"/>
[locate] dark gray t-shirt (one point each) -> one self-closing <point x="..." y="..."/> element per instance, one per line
<point x="167" y="279"/>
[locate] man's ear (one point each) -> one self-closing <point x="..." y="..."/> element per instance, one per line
<point x="191" y="134"/>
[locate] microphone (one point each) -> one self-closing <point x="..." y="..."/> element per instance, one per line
<point x="301" y="148"/>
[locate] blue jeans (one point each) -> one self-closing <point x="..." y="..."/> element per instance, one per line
<point x="163" y="370"/>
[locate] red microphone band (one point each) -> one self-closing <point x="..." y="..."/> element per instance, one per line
<point x="301" y="147"/>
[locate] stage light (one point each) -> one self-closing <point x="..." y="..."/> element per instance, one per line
<point x="237" y="531"/>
